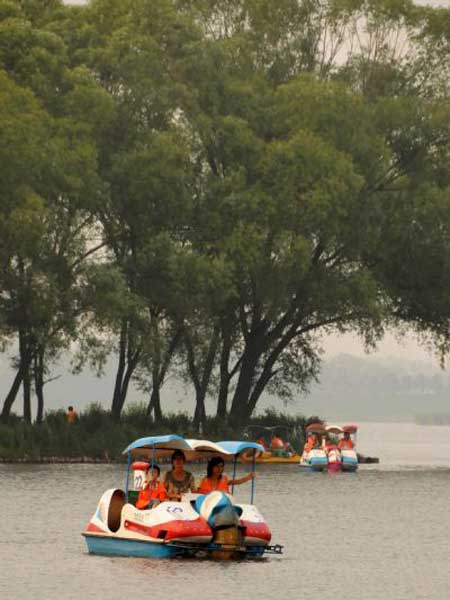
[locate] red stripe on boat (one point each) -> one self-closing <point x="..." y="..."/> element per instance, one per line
<point x="93" y="528"/>
<point x="256" y="530"/>
<point x="173" y="529"/>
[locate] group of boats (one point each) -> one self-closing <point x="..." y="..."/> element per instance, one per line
<point x="327" y="448"/>
<point x="330" y="448"/>
<point x="211" y="524"/>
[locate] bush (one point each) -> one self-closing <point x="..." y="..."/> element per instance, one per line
<point x="97" y="435"/>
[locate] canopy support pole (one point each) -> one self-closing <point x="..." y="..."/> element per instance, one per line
<point x="253" y="480"/>
<point x="234" y="473"/>
<point x="128" y="474"/>
<point x="151" y="470"/>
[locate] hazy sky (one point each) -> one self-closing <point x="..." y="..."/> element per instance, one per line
<point x="408" y="348"/>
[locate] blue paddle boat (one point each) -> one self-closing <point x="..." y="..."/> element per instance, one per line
<point x="210" y="524"/>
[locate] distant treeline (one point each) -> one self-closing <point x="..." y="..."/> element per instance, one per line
<point x="205" y="189"/>
<point x="433" y="419"/>
<point x="95" y="434"/>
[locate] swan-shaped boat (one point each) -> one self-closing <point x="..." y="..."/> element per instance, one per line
<point x="211" y="524"/>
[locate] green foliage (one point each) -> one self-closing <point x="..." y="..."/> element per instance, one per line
<point x="207" y="188"/>
<point x="95" y="434"/>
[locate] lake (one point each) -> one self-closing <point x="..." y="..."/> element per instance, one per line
<point x="382" y="533"/>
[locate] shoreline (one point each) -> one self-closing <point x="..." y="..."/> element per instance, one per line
<point x="62" y="460"/>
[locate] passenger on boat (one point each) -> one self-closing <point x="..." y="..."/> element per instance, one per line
<point x="329" y="444"/>
<point x="346" y="443"/>
<point x="216" y="479"/>
<point x="276" y="443"/>
<point x="262" y="442"/>
<point x="311" y="442"/>
<point x="152" y="492"/>
<point x="178" y="481"/>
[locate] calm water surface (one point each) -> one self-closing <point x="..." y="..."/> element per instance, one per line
<point x="383" y="533"/>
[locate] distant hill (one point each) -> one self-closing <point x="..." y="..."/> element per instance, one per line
<point x="371" y="388"/>
<point x="350" y="388"/>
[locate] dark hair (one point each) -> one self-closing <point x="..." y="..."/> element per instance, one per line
<point x="70" y="408"/>
<point x="213" y="462"/>
<point x="178" y="454"/>
<point x="156" y="467"/>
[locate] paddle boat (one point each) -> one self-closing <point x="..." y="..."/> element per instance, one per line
<point x="314" y="457"/>
<point x="349" y="456"/>
<point x="333" y="452"/>
<point x="198" y="525"/>
<point x="275" y="440"/>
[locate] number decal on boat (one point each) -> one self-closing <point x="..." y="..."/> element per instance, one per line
<point x="138" y="482"/>
<point x="174" y="509"/>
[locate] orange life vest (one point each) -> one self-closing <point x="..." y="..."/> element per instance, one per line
<point x="345" y="444"/>
<point x="152" y="492"/>
<point x="71" y="416"/>
<point x="207" y="485"/>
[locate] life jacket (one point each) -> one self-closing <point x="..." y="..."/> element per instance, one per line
<point x="276" y="443"/>
<point x="345" y="444"/>
<point x="71" y="416"/>
<point x="311" y="443"/>
<point x="222" y="485"/>
<point x="155" y="491"/>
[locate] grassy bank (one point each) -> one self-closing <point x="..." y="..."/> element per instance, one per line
<point x="96" y="436"/>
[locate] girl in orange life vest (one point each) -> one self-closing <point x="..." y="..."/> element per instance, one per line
<point x="152" y="492"/>
<point x="312" y="442"/>
<point x="216" y="480"/>
<point x="346" y="442"/>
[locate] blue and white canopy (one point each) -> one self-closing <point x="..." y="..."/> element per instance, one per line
<point x="164" y="445"/>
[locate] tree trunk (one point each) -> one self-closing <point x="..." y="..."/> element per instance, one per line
<point x="201" y="383"/>
<point x="154" y="405"/>
<point x="159" y="370"/>
<point x="25" y="360"/>
<point x="39" y="385"/>
<point x="200" y="412"/>
<point x="12" y="394"/>
<point x="224" y="376"/>
<point x="117" y="401"/>
<point x="238" y="412"/>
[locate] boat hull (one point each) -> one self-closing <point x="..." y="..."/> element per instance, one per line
<point x="349" y="461"/>
<point x="315" y="461"/>
<point x="211" y="524"/>
<point x="114" y="546"/>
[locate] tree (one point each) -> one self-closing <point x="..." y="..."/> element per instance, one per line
<point x="48" y="219"/>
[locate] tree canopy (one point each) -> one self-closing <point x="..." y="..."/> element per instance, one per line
<point x="209" y="188"/>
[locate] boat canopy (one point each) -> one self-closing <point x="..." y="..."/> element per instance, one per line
<point x="334" y="429"/>
<point x="315" y="428"/>
<point x="164" y="445"/>
<point x="350" y="428"/>
<point x="145" y="445"/>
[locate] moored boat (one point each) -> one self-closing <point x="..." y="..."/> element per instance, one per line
<point x="200" y="524"/>
<point x="275" y="440"/>
<point x="314" y="457"/>
<point x="348" y="452"/>
<point x="333" y="452"/>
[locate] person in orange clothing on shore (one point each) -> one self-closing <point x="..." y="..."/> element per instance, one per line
<point x="152" y="492"/>
<point x="71" y="415"/>
<point x="346" y="442"/>
<point x="216" y="479"/>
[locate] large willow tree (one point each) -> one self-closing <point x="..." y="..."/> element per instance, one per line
<point x="259" y="174"/>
